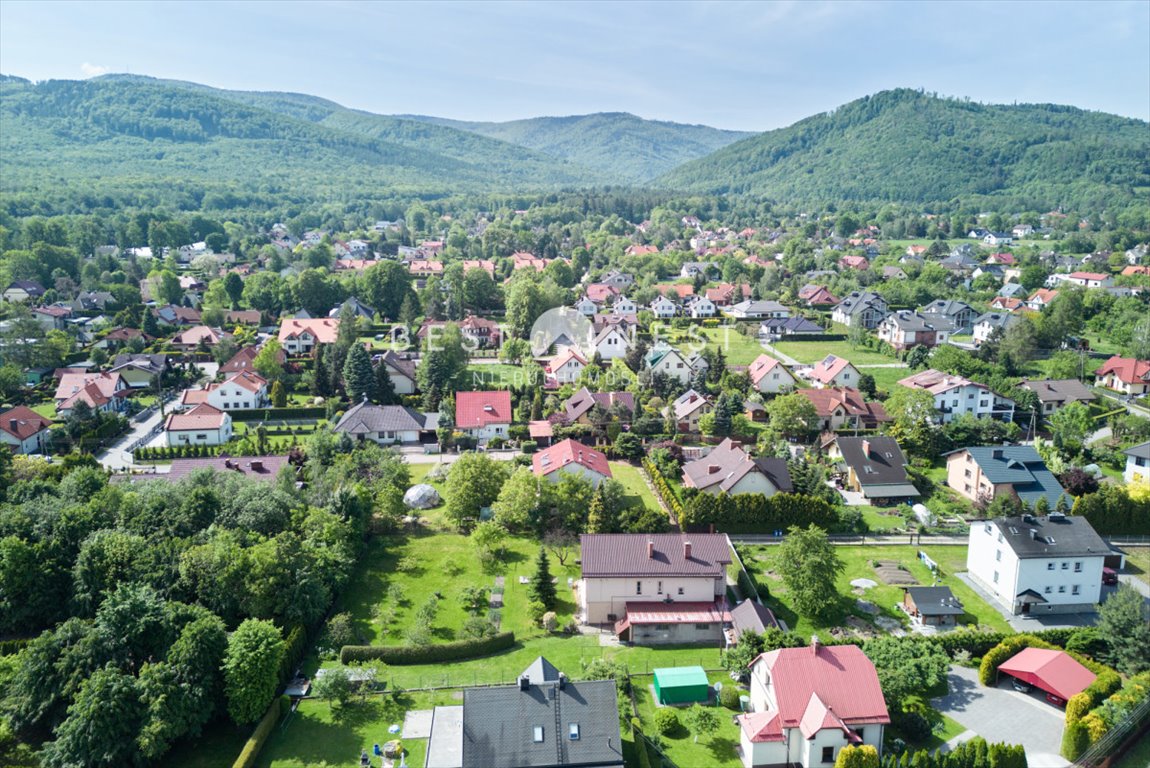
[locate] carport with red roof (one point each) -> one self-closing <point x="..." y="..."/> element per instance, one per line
<point x="1055" y="672"/>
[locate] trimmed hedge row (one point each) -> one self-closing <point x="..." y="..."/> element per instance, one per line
<point x="275" y="414"/>
<point x="259" y="737"/>
<point x="428" y="654"/>
<point x="294" y="647"/>
<point x="663" y="489"/>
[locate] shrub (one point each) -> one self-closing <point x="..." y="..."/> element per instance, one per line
<point x="550" y="621"/>
<point x="529" y="446"/>
<point x="1075" y="740"/>
<point x="729" y="697"/>
<point x="427" y="654"/>
<point x="912" y="725"/>
<point x="263" y="730"/>
<point x="666" y="721"/>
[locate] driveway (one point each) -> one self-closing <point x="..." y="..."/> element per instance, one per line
<point x="116" y="457"/>
<point x="1003" y="714"/>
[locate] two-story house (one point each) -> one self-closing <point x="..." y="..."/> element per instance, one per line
<point x="655" y="589"/>
<point x="833" y="371"/>
<point x="727" y="468"/>
<point x="609" y="343"/>
<point x="958" y="314"/>
<point x="1124" y="374"/>
<point x="401" y="371"/>
<point x="955" y="395"/>
<point x="22" y="430"/>
<point x="202" y="425"/>
<point x="769" y="376"/>
<point x="1038" y="565"/>
<point x="483" y="415"/>
<point x="905" y="329"/>
<point x="844" y="408"/>
<point x="240" y="391"/>
<point x="864" y="309"/>
<point x="982" y="473"/>
<point x="569" y="457"/>
<point x="688" y="408"/>
<point x="1137" y="463"/>
<point x="663" y="308"/>
<point x="1055" y="393"/>
<point x="808" y="703"/>
<point x="565" y="367"/>
<point x="579" y="408"/>
<point x="875" y="467"/>
<point x="300" y="336"/>
<point x="665" y="359"/>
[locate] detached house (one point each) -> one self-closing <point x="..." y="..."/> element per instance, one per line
<point x="1040" y="299"/>
<point x="861" y="309"/>
<point x="656" y="589"/>
<point x="663" y="308"/>
<point x="905" y="329"/>
<point x="387" y="424"/>
<point x="817" y="296"/>
<point x="610" y="343"/>
<point x="958" y="314"/>
<point x="195" y="337"/>
<point x="769" y="376"/>
<point x="809" y="703"/>
<point x="833" y="371"/>
<point x="987" y="323"/>
<point x="572" y="458"/>
<point x="688" y="408"/>
<point x="565" y="367"/>
<point x="666" y="360"/>
<point x="1124" y="374"/>
<point x="240" y="391"/>
<point x="401" y="370"/>
<point x="23" y="290"/>
<point x="103" y="392"/>
<point x="729" y="469"/>
<point x="844" y="408"/>
<point x="757" y="310"/>
<point x="578" y="408"/>
<point x="483" y="415"/>
<point x="876" y="468"/>
<point x="1038" y="565"/>
<point x="202" y="425"/>
<point x="701" y="307"/>
<point x="22" y="430"/>
<point x="955" y="395"/>
<point x="984" y="473"/>
<point x="1137" y="463"/>
<point x="1054" y="393"/>
<point x="300" y="336"/>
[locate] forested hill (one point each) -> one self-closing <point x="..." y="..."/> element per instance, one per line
<point x="907" y="146"/>
<point x="112" y="134"/>
<point x="616" y="143"/>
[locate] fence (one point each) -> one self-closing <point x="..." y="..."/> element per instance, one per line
<point x="1108" y="749"/>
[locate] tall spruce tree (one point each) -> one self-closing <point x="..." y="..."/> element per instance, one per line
<point x="358" y="376"/>
<point x="542" y="589"/>
<point x="385" y="393"/>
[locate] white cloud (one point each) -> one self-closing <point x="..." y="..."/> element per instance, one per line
<point x="94" y="70"/>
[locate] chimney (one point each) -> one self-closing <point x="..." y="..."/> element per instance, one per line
<point x="228" y="463"/>
<point x="686" y="550"/>
<point x="712" y="469"/>
<point x="257" y="466"/>
<point x="13" y="424"/>
<point x="562" y="681"/>
<point x="866" y="449"/>
<point x="815" y="644"/>
<point x="1034" y="534"/>
<point x="524" y="683"/>
<point x="650" y="550"/>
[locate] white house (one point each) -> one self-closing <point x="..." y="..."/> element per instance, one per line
<point x="770" y="376"/>
<point x="752" y="309"/>
<point x="401" y="371"/>
<point x="866" y="309"/>
<point x="664" y="308"/>
<point x="1038" y="565"/>
<point x="1137" y="463"/>
<point x="987" y="323"/>
<point x="572" y="458"/>
<point x="702" y="307"/>
<point x="483" y="415"/>
<point x="609" y="343"/>
<point x="665" y="359"/>
<point x="586" y="307"/>
<point x="808" y="703"/>
<point x="242" y="390"/>
<point x="202" y="425"/>
<point x="624" y="306"/>
<point x="833" y="371"/>
<point x="22" y="430"/>
<point x="955" y="395"/>
<point x="688" y="408"/>
<point x="387" y="424"/>
<point x="299" y="336"/>
<point x="566" y="367"/>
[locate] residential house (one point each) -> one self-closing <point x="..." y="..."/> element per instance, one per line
<point x="958" y="314"/>
<point x="893" y="273"/>
<point x="103" y="392"/>
<point x="663" y="308"/>
<point x="197" y="336"/>
<point x="729" y="469"/>
<point x="356" y="308"/>
<point x="697" y="363"/>
<point x="1084" y="279"/>
<point x="52" y="318"/>
<point x="140" y="371"/>
<point x="234" y="317"/>
<point x="656" y="589"/>
<point x="679" y="291"/>
<point x="1055" y="393"/>
<point x="483" y="415"/>
<point x="984" y="473"/>
<point x="524" y="260"/>
<point x="586" y="307"/>
<point x="424" y="268"/>
<point x="932" y="606"/>
<point x="808" y="703"/>
<point x="817" y="296"/>
<point x="640" y="250"/>
<point x="600" y="293"/>
<point x="1022" y="230"/>
<point x="864" y="309"/>
<point x="693" y="269"/>
<point x="688" y="408"/>
<point x="1038" y="565"/>
<point x="485" y="265"/>
<point x="665" y="359"/>
<point x="401" y="371"/>
<point x="854" y="262"/>
<point x="300" y="336"/>
<point x="483" y="333"/>
<point x="239" y="391"/>
<point x="875" y="467"/>
<point x="906" y="329"/>
<point x="1135" y="269"/>
<point x="202" y="425"/>
<point x="543" y="720"/>
<point x="997" y="238"/>
<point x="769" y="376"/>
<point x="171" y="314"/>
<point x="1040" y="299"/>
<point x="578" y="409"/>
<point x="988" y="322"/>
<point x="244" y="360"/>
<point x="388" y="424"/>
<point x="22" y="430"/>
<point x="609" y="343"/>
<point x="620" y="280"/>
<point x="1012" y="290"/>
<point x="93" y="301"/>
<point x="955" y="396"/>
<point x="1137" y="463"/>
<point x="701" y="307"/>
<point x="358" y="266"/>
<point x="778" y="327"/>
<point x="1007" y="303"/>
<point x="725" y="294"/>
<point x="23" y="291"/>
<point x="844" y="408"/>
<point x="1124" y="374"/>
<point x="833" y="371"/>
<point x="118" y="338"/>
<point x="751" y="309"/>
<point x="565" y="367"/>
<point x="572" y="458"/>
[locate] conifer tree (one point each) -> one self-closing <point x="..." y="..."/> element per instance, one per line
<point x="384" y="387"/>
<point x="358" y="376"/>
<point x="542" y="589"/>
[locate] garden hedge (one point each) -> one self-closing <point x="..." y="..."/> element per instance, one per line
<point x="279" y="414"/>
<point x="640" y="743"/>
<point x="259" y="737"/>
<point x="15" y="645"/>
<point x="663" y="489"/>
<point x="294" y="648"/>
<point x="756" y="513"/>
<point x="428" y="654"/>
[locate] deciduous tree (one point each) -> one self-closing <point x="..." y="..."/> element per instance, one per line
<point x="251" y="669"/>
<point x="810" y="566"/>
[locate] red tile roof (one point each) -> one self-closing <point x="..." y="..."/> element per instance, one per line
<point x="600" y="292"/>
<point x="260" y="467"/>
<point x="539" y="429"/>
<point x="827" y="400"/>
<point x="203" y="416"/>
<point x="1045" y="295"/>
<point x="323" y="329"/>
<point x="1126" y="369"/>
<point x="840" y="678"/>
<point x="761" y="726"/>
<point x="478" y="409"/>
<point x="827" y="368"/>
<point x="674" y="613"/>
<point x="762" y="365"/>
<point x="1094" y="276"/>
<point x="1053" y="671"/>
<point x="626" y="554"/>
<point x="22" y="422"/>
<point x="567" y="452"/>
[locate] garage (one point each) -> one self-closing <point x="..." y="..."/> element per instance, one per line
<point x="681" y="685"/>
<point x="1055" y="672"/>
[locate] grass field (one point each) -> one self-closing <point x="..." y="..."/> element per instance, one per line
<point x="632" y="479"/>
<point x="1138" y="562"/>
<point x="813" y="351"/>
<point x="737" y="348"/>
<point x="857" y="560"/>
<point x="716" y="750"/>
<point x="886" y="379"/>
<point x="47" y="410"/>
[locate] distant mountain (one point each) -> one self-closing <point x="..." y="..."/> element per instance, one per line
<point x="616" y="143"/>
<point x="113" y="132"/>
<point x="906" y="146"/>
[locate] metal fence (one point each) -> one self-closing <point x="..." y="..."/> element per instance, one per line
<point x="1102" y="752"/>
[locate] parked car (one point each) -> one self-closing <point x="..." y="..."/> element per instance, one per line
<point x="1057" y="701"/>
<point x="1109" y="576"/>
<point x="1020" y="686"/>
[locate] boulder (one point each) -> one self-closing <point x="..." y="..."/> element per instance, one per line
<point x="422" y="496"/>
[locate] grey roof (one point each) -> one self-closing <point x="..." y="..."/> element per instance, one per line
<point x="584" y="400"/>
<point x="154" y="363"/>
<point x="1059" y="390"/>
<point x="907" y="320"/>
<point x="727" y="464"/>
<point x="1019" y="466"/>
<point x="758" y="307"/>
<point x="625" y="554"/>
<point x="541" y="671"/>
<point x="499" y="724"/>
<point x="858" y="302"/>
<point x="749" y="616"/>
<point x="947" y="307"/>
<point x="886" y="475"/>
<point x="687" y="403"/>
<point x="997" y="319"/>
<point x="357" y="307"/>
<point x="935" y="601"/>
<point x="1051" y="536"/>
<point x="792" y="324"/>
<point x="366" y="417"/>
<point x="404" y="365"/>
<point x="1140" y="451"/>
<point x="1011" y="289"/>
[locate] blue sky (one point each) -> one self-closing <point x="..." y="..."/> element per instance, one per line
<point x="745" y="65"/>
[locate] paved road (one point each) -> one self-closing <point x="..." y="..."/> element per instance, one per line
<point x="115" y="457"/>
<point x="1003" y="714"/>
<point x="786" y="359"/>
<point x="1116" y="399"/>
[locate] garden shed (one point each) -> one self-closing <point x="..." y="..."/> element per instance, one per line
<point x="681" y="685"/>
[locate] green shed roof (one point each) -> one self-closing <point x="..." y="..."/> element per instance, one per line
<point x="672" y="677"/>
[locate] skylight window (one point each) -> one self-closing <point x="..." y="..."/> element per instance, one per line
<point x="537" y="734"/>
<point x="573" y="731"/>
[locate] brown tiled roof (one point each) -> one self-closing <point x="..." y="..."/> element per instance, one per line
<point x="22" y="422"/>
<point x="607" y="555"/>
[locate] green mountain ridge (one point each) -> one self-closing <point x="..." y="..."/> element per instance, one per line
<point x="909" y="147"/>
<point x="617" y="143"/>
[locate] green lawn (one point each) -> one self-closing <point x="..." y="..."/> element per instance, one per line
<point x="877" y="521"/>
<point x="47" y="410"/>
<point x="1138" y="755"/>
<point x="1138" y="562"/>
<point x="219" y="745"/>
<point x="886" y="379"/>
<point x="717" y="750"/>
<point x="813" y="351"/>
<point x="632" y="479"/>
<point x="737" y="348"/>
<point x="857" y="559"/>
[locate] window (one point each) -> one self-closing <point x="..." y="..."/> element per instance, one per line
<point x="1074" y="590"/>
<point x="996" y="577"/>
<point x="573" y="731"/>
<point x="659" y="587"/>
<point x="537" y="734"/>
<point x="966" y="487"/>
<point x="662" y="627"/>
<point x="1000" y="537"/>
<point x="828" y="754"/>
<point x="998" y="556"/>
<point x="1050" y="566"/>
<point x="859" y="732"/>
<point x="1061" y="589"/>
<point x="1065" y="566"/>
<point x="702" y="627"/>
<point x="1047" y="590"/>
<point x="966" y="473"/>
<point x="680" y="590"/>
<point x="1078" y="567"/>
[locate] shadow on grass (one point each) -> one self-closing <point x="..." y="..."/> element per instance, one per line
<point x="721" y="747"/>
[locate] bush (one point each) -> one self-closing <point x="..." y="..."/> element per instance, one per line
<point x="729" y="697"/>
<point x="666" y="721"/>
<point x="264" y="728"/>
<point x="427" y="654"/>
<point x="529" y="446"/>
<point x="1075" y="740"/>
<point x="912" y="725"/>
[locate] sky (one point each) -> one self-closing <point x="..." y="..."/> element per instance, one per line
<point x="741" y="65"/>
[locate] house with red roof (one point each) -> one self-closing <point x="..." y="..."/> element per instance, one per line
<point x="424" y="267"/>
<point x="600" y="293"/>
<point x="102" y="392"/>
<point x="572" y="458"/>
<point x="300" y="336"/>
<point x="854" y="262"/>
<point x="193" y="337"/>
<point x="202" y="425"/>
<point x="655" y="589"/>
<point x="483" y="415"/>
<point x="22" y="430"/>
<point x="843" y="407"/>
<point x="808" y="703"/>
<point x="817" y="296"/>
<point x="770" y="376"/>
<point x="1040" y="298"/>
<point x="833" y="371"/>
<point x="1124" y="374"/>
<point x="640" y="250"/>
<point x="487" y="265"/>
<point x="1085" y="279"/>
<point x="565" y="367"/>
